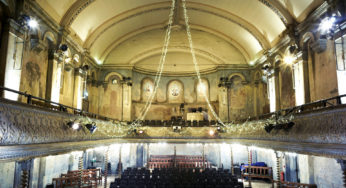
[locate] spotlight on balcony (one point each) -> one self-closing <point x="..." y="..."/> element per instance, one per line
<point x="176" y="128"/>
<point x="268" y="128"/>
<point x="211" y="132"/>
<point x="91" y="127"/>
<point x="73" y="125"/>
<point x="138" y="132"/>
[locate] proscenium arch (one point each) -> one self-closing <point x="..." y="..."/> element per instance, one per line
<point x="92" y="38"/>
<point x="211" y="31"/>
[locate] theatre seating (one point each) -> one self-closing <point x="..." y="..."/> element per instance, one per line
<point x="174" y="177"/>
<point x="88" y="178"/>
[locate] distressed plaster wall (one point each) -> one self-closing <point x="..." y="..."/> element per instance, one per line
<point x="162" y="106"/>
<point x="287" y="93"/>
<point x="7" y="171"/>
<point x="34" y="72"/>
<point x="324" y="67"/>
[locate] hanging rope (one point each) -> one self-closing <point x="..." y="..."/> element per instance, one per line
<point x="194" y="59"/>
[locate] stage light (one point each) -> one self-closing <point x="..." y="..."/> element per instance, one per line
<point x="176" y="128"/>
<point x="73" y="125"/>
<point x="92" y="127"/>
<point x="211" y="132"/>
<point x="326" y="24"/>
<point x="140" y="131"/>
<point x="32" y="23"/>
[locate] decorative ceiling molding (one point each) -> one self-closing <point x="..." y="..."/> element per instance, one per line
<point x="89" y="42"/>
<point x="72" y="13"/>
<point x="185" y="49"/>
<point x="284" y="15"/>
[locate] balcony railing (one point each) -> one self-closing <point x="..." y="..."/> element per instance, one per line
<point x="320" y="104"/>
<point x="37" y="101"/>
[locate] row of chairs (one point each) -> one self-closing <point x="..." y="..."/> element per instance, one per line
<point x="88" y="178"/>
<point x="173" y="177"/>
<point x="183" y="123"/>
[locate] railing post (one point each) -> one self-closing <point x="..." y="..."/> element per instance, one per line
<point x="29" y="99"/>
<point x="338" y="100"/>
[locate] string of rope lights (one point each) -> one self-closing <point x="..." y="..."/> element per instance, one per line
<point x="194" y="59"/>
<point x="147" y="106"/>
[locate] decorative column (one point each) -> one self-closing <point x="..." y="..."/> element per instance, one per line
<point x="126" y="114"/>
<point x="277" y="86"/>
<point x="278" y="168"/>
<point x="120" y="164"/>
<point x="148" y="156"/>
<point x="249" y="164"/>
<point x="80" y="168"/>
<point x="203" y="157"/>
<point x="232" y="166"/>
<point x="174" y="157"/>
<point x="56" y="66"/>
<point x="106" y="168"/>
<point x="78" y="88"/>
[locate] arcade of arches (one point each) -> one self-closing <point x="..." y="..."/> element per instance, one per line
<point x="81" y="87"/>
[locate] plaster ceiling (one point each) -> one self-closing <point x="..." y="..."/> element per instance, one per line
<point x="109" y="29"/>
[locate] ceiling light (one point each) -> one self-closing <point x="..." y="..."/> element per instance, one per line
<point x="326" y="24"/>
<point x="289" y="59"/>
<point x="98" y="61"/>
<point x="32" y="23"/>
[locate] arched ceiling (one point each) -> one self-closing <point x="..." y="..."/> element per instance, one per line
<point x="116" y="32"/>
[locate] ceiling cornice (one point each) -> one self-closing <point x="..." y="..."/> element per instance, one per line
<point x="72" y="13"/>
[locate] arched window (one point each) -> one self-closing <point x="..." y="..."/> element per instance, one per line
<point x="202" y="90"/>
<point x="147" y="88"/>
<point x="175" y="92"/>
